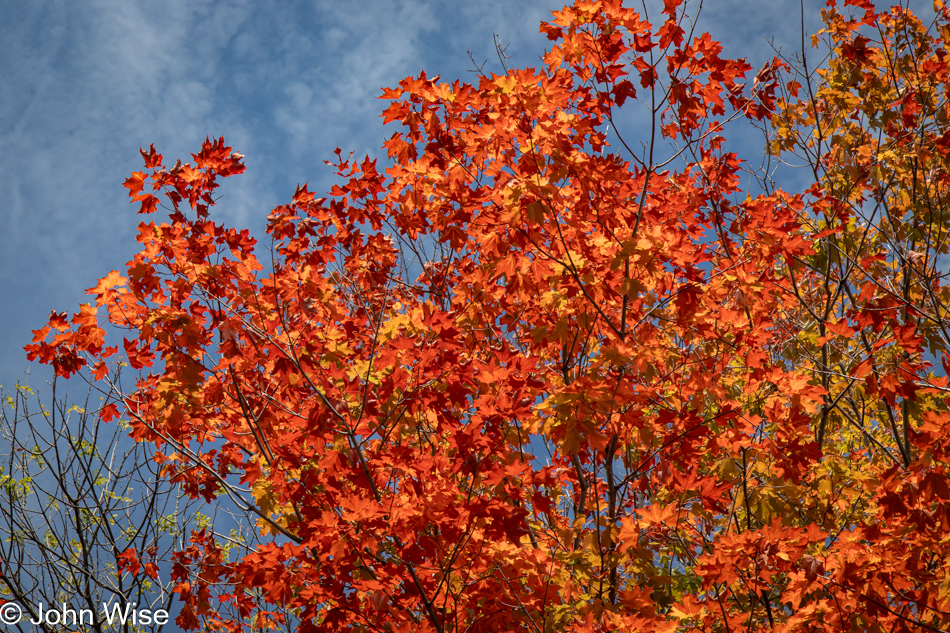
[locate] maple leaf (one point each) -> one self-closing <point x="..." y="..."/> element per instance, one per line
<point x="107" y="283"/>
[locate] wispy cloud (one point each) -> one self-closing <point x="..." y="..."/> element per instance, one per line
<point x="87" y="84"/>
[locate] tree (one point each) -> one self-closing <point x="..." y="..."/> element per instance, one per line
<point x="528" y="379"/>
<point x="87" y="521"/>
<point x="78" y="513"/>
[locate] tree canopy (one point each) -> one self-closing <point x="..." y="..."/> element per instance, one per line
<point x="539" y="374"/>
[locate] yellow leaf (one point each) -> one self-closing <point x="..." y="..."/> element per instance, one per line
<point x="506" y="85"/>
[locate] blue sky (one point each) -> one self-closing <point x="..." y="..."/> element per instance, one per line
<point x="86" y="84"/>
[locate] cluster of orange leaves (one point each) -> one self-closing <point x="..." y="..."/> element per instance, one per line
<point x="528" y="379"/>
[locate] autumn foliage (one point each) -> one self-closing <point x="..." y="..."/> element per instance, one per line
<point x="544" y="373"/>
